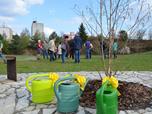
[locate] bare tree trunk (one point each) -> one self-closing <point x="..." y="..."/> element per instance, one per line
<point x="102" y="52"/>
<point x="110" y="39"/>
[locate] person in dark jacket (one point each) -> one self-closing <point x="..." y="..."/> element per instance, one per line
<point x="71" y="49"/>
<point x="104" y="49"/>
<point x="64" y="48"/>
<point x="77" y="43"/>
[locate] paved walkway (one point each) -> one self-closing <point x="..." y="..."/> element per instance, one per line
<point x="15" y="99"/>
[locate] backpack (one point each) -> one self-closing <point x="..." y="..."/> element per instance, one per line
<point x="87" y="44"/>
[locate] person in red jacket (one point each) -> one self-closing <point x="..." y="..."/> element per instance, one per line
<point x="39" y="48"/>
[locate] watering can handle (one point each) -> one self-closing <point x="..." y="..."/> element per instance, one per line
<point x="58" y="82"/>
<point x="102" y="92"/>
<point x="31" y="78"/>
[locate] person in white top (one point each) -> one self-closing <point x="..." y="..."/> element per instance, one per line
<point x="52" y="49"/>
<point x="59" y="52"/>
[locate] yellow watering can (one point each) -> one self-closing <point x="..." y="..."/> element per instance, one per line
<point x="41" y="87"/>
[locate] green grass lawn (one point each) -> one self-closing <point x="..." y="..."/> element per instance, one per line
<point x="132" y="62"/>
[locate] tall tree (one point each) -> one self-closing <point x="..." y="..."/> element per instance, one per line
<point x="123" y="37"/>
<point x="15" y="46"/>
<point x="25" y="38"/>
<point x="53" y="35"/>
<point x="140" y="34"/>
<point x="1" y="37"/>
<point x="82" y="32"/>
<point x="150" y="34"/>
<point x="25" y="32"/>
<point x="33" y="42"/>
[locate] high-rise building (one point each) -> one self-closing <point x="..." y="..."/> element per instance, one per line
<point x="37" y="27"/>
<point x="6" y="32"/>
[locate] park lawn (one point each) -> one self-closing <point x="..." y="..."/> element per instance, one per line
<point x="132" y="62"/>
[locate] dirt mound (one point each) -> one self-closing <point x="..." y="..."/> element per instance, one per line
<point x="133" y="95"/>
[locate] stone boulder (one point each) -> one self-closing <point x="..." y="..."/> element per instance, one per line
<point x="125" y="50"/>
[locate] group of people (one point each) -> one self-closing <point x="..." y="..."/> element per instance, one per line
<point x="66" y="48"/>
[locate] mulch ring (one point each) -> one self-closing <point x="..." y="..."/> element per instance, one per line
<point x="134" y="96"/>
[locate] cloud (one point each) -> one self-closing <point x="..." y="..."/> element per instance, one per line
<point x="34" y="2"/>
<point x="7" y="19"/>
<point x="12" y="8"/>
<point x="48" y="31"/>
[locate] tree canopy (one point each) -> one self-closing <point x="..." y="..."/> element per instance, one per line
<point x="82" y="32"/>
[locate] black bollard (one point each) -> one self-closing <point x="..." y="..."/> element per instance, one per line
<point x="11" y="68"/>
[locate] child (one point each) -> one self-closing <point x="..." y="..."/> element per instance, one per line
<point x="59" y="51"/>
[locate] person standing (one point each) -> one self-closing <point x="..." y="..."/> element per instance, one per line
<point x="104" y="49"/>
<point x="91" y="45"/>
<point x="115" y="48"/>
<point x="39" y="49"/>
<point x="52" y="49"/>
<point x="45" y="49"/>
<point x="88" y="49"/>
<point x="77" y="46"/>
<point x="71" y="49"/>
<point x="59" y="50"/>
<point x="1" y="54"/>
<point x="64" y="48"/>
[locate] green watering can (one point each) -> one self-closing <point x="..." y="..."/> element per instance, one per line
<point x="41" y="89"/>
<point x="67" y="94"/>
<point x="107" y="100"/>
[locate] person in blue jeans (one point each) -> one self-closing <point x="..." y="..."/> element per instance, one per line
<point x="63" y="55"/>
<point x="45" y="50"/>
<point x="52" y="49"/>
<point x="77" y="46"/>
<point x="64" y="48"/>
<point x="88" y="49"/>
<point x="115" y="48"/>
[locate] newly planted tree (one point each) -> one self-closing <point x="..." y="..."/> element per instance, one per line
<point x="113" y="16"/>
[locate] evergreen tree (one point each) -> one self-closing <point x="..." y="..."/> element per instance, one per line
<point x="53" y="35"/>
<point x="1" y="37"/>
<point x="33" y="43"/>
<point x="15" y="47"/>
<point x="82" y="32"/>
<point x="123" y="37"/>
<point x="140" y="34"/>
<point x="25" y="32"/>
